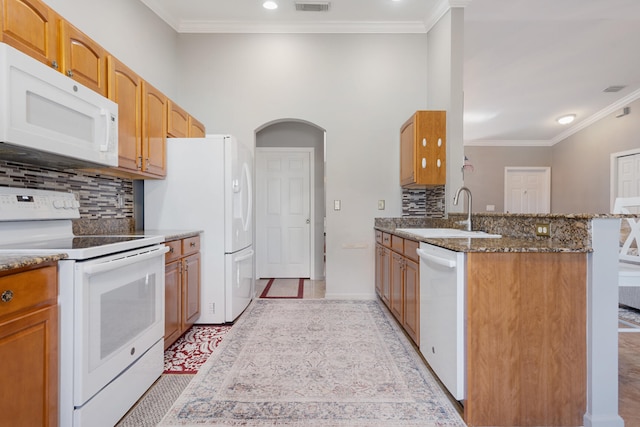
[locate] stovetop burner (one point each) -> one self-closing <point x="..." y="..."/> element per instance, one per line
<point x="39" y="222"/>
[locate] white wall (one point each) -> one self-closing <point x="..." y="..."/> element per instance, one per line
<point x="360" y="88"/>
<point x="445" y="68"/>
<point x="132" y="33"/>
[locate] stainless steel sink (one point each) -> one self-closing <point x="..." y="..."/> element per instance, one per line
<point x="446" y="233"/>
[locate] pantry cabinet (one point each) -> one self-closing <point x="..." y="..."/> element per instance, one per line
<point x="423" y="150"/>
<point x="397" y="280"/>
<point x="29" y="346"/>
<point x="182" y="287"/>
<point x="31" y="27"/>
<point x="84" y="60"/>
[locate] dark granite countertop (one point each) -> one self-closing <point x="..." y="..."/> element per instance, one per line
<point x="502" y="244"/>
<point x="171" y="234"/>
<point x="12" y="262"/>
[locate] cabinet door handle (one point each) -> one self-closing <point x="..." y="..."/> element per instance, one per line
<point x="69" y="73"/>
<point x="192" y="244"/>
<point x="171" y="249"/>
<point x="7" y="295"/>
<point x="54" y="65"/>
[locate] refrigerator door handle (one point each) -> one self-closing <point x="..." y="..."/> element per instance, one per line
<point x="244" y="257"/>
<point x="247" y="216"/>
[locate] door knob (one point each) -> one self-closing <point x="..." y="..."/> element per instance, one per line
<point x="308" y="221"/>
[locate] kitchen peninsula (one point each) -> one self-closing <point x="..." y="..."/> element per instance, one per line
<point x="540" y="316"/>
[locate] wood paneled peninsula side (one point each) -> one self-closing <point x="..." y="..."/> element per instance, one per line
<point x="540" y="317"/>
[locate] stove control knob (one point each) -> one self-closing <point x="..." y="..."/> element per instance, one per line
<point x="58" y="204"/>
<point x="68" y="204"/>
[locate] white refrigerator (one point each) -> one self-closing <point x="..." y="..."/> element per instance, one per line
<point x="209" y="188"/>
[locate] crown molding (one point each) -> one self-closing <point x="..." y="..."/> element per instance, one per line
<point x="335" y="27"/>
<point x="509" y="143"/>
<point x="343" y="27"/>
<point x="162" y="13"/>
<point x="622" y="102"/>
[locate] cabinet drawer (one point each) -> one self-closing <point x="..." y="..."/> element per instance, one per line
<point x="397" y="243"/>
<point x="175" y="250"/>
<point x="386" y="239"/>
<point x="28" y="289"/>
<point x="410" y="247"/>
<point x="378" y="236"/>
<point x="191" y="245"/>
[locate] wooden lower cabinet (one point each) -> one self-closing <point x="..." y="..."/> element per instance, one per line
<point x="526" y="339"/>
<point x="182" y="287"/>
<point x="29" y="347"/>
<point x="398" y="280"/>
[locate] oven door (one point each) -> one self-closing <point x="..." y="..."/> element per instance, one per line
<point x="118" y="315"/>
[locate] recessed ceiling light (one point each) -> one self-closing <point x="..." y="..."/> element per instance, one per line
<point x="565" y="120"/>
<point x="269" y="4"/>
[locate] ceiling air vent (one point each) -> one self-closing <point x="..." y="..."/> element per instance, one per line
<point x="614" y="88"/>
<point x="313" y="6"/>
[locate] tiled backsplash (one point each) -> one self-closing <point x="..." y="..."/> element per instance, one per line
<point x="424" y="202"/>
<point x="100" y="196"/>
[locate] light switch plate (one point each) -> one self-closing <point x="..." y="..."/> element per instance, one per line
<point x="336" y="205"/>
<point x="381" y="205"/>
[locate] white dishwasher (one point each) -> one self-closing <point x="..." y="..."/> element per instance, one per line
<point x="442" y="314"/>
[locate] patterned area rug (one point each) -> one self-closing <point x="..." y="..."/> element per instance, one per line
<point x="283" y="288"/>
<point x="191" y="350"/>
<point x="314" y="363"/>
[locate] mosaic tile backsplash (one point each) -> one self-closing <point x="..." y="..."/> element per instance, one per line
<point x="423" y="202"/>
<point x="100" y="196"/>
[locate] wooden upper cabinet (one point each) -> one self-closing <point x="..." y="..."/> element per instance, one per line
<point x="177" y="121"/>
<point x="125" y="88"/>
<point x="196" y="129"/>
<point x="31" y="27"/>
<point x="423" y="150"/>
<point x="154" y="130"/>
<point x="83" y="60"/>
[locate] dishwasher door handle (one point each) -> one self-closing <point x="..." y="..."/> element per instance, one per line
<point x="450" y="263"/>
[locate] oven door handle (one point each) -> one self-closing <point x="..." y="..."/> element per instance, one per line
<point x="449" y="263"/>
<point x="121" y="262"/>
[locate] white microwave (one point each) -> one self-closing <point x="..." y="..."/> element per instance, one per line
<point x="49" y="119"/>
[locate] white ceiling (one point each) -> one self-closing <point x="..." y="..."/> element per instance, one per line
<point x="526" y="63"/>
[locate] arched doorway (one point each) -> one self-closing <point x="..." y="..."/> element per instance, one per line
<point x="290" y="209"/>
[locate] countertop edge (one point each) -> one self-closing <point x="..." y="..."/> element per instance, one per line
<point x="15" y="261"/>
<point x="496" y="245"/>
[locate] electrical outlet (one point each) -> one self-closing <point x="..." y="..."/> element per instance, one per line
<point x="381" y="205"/>
<point x="543" y="230"/>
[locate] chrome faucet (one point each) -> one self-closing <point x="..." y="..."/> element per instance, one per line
<point x="467" y="222"/>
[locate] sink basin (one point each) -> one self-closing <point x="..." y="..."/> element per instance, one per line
<point x="446" y="233"/>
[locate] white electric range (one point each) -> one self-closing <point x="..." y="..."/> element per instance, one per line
<point x="111" y="304"/>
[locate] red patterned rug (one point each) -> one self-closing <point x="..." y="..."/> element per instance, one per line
<point x="192" y="349"/>
<point x="284" y="288"/>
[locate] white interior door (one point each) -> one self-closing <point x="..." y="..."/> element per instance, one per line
<point x="527" y="189"/>
<point x="628" y="176"/>
<point x="283" y="209"/>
